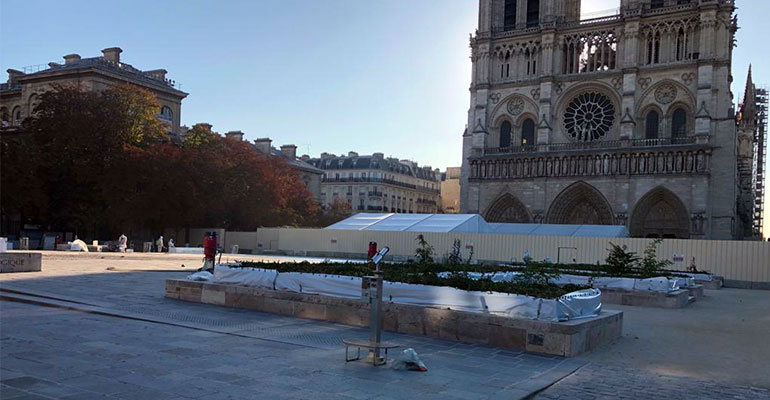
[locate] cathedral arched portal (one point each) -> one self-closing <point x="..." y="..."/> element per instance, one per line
<point x="580" y="204"/>
<point x="660" y="214"/>
<point x="507" y="208"/>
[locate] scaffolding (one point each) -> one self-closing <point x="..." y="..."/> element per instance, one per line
<point x="758" y="167"/>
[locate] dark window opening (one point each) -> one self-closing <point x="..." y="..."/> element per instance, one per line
<point x="651" y="125"/>
<point x="528" y="133"/>
<point x="679" y="123"/>
<point x="505" y="134"/>
<point x="509" y="17"/>
<point x="533" y="13"/>
<point x="656" y="4"/>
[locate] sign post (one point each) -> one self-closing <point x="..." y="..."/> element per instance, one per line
<point x="372" y="288"/>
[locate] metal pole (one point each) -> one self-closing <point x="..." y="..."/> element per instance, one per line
<point x="375" y="322"/>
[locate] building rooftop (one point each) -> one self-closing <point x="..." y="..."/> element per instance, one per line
<point x="108" y="62"/>
<point x="375" y="161"/>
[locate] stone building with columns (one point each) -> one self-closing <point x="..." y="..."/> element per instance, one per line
<point x="378" y="184"/>
<point x="19" y="95"/>
<point x="625" y="119"/>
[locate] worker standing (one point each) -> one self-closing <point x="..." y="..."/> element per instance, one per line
<point x="159" y="243"/>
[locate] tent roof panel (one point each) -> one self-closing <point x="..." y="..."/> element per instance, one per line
<point x="470" y="223"/>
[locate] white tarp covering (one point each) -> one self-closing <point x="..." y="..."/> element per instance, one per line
<point x="469" y="223"/>
<point x="78" y="245"/>
<point x="698" y="275"/>
<point x="518" y="306"/>
<point x="186" y="250"/>
<point x="257" y="277"/>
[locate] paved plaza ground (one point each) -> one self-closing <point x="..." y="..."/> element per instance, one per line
<point x="79" y="331"/>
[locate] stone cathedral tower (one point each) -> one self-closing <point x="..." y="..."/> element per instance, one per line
<point x="626" y="119"/>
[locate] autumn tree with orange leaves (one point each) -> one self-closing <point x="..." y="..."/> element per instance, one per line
<point x="100" y="163"/>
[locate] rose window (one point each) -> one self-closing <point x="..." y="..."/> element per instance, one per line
<point x="589" y="116"/>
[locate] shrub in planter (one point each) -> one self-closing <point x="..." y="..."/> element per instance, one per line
<point x="620" y="260"/>
<point x="650" y="264"/>
<point x="424" y="251"/>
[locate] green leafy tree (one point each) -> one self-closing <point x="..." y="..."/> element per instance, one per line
<point x="650" y="263"/>
<point x="454" y="257"/>
<point x="620" y="260"/>
<point x="424" y="251"/>
<point x="78" y="138"/>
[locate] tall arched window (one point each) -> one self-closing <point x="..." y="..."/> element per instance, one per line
<point x="166" y="113"/>
<point x="651" y="125"/>
<point x="16" y="115"/>
<point x="653" y="48"/>
<point x="679" y="123"/>
<point x="533" y="13"/>
<point x="528" y="133"/>
<point x="505" y="134"/>
<point x="509" y="18"/>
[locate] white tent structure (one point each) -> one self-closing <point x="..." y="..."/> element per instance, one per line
<point x="560" y="230"/>
<point x="469" y="223"/>
<point x="464" y="223"/>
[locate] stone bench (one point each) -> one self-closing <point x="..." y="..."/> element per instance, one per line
<point x="566" y="339"/>
<point x="677" y="299"/>
<point x="21" y="262"/>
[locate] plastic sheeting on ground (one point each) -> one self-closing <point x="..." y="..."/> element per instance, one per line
<point x="701" y="276"/>
<point x="657" y="284"/>
<point x="202" y="276"/>
<point x="506" y="304"/>
<point x="78" y="245"/>
<point x="257" y="277"/>
<point x="186" y="250"/>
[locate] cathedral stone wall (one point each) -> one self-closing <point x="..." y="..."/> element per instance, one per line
<point x="623" y="119"/>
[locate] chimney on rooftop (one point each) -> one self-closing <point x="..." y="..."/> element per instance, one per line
<point x="289" y="151"/>
<point x="304" y="157"/>
<point x="378" y="156"/>
<point x="71" y="58"/>
<point x="13" y="74"/>
<point x="235" y="135"/>
<point x="263" y="145"/>
<point x="352" y="154"/>
<point x="326" y="155"/>
<point x="205" y="125"/>
<point x="112" y="54"/>
<point x="159" y="74"/>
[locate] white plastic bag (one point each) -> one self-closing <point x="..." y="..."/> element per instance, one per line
<point x="201" y="276"/>
<point x="408" y="360"/>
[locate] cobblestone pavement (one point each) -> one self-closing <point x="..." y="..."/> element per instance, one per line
<point x="595" y="381"/>
<point x="178" y="350"/>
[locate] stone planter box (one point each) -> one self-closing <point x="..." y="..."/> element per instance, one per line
<point x="21" y="262"/>
<point x="676" y="299"/>
<point x="714" y="284"/>
<point x="566" y="339"/>
<point x="695" y="291"/>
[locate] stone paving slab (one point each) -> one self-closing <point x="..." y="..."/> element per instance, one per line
<point x="596" y="381"/>
<point x="727" y="353"/>
<point x="58" y="353"/>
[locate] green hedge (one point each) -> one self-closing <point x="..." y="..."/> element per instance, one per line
<point x="426" y="275"/>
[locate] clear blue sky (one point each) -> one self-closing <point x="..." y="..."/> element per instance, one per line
<point x="329" y="75"/>
<point x="336" y="75"/>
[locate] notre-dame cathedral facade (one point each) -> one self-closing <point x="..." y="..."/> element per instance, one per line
<point x="625" y="119"/>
